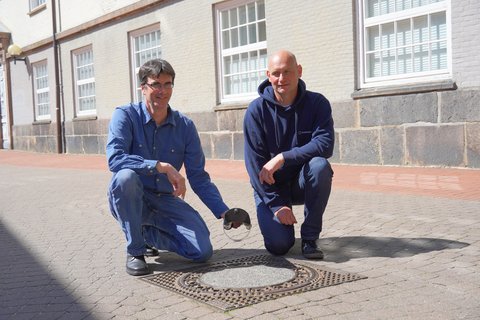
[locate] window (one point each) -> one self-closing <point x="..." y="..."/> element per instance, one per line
<point x="36" y="3"/>
<point x="404" y="41"/>
<point x="84" y="77"/>
<point x="242" y="37"/>
<point x="42" y="107"/>
<point x="145" y="45"/>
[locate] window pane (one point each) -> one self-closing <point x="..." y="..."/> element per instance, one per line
<point x="227" y="65"/>
<point x="252" y="33"/>
<point x="420" y="58"/>
<point x="225" y="21"/>
<point x="404" y="56"/>
<point x="438" y="26"/>
<point x="233" y="17"/>
<point x="260" y="10"/>
<point x="242" y="13"/>
<point x="373" y="64"/>
<point x="388" y="36"/>
<point x="420" y="29"/>
<point x="244" y="62"/>
<point x="263" y="59"/>
<point x="234" y="37"/>
<point x="243" y="36"/>
<point x="439" y="55"/>
<point x="404" y="36"/>
<point x="226" y="39"/>
<point x="251" y="12"/>
<point x="388" y="63"/>
<point x="373" y="38"/>
<point x="262" y="31"/>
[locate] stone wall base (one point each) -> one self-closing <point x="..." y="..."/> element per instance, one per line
<point x="426" y="129"/>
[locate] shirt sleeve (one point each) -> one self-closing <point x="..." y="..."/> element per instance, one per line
<point x="119" y="146"/>
<point x="257" y="155"/>
<point x="198" y="178"/>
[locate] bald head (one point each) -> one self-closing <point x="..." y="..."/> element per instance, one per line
<point x="283" y="73"/>
<point x="284" y="56"/>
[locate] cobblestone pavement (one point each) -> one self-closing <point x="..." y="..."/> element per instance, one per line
<point x="414" y="232"/>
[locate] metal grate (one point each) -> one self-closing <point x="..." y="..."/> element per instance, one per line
<point x="307" y="277"/>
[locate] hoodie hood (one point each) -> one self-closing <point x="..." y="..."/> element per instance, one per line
<point x="285" y="118"/>
<point x="265" y="90"/>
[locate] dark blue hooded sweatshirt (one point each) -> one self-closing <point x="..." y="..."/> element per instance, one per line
<point x="300" y="132"/>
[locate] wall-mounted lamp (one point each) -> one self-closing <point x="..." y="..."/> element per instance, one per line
<point x="15" y="51"/>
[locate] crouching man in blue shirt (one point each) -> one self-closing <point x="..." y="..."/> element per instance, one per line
<point x="147" y="145"/>
<point x="289" y="136"/>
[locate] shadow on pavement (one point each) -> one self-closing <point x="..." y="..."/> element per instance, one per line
<point x="341" y="249"/>
<point x="336" y="249"/>
<point x="27" y="289"/>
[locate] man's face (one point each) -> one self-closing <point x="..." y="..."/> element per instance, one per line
<point x="158" y="91"/>
<point x="283" y="73"/>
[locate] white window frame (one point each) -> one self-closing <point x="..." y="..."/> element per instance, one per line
<point x="151" y="52"/>
<point x="38" y="91"/>
<point x="259" y="48"/>
<point x="402" y="78"/>
<point x="34" y="4"/>
<point x="82" y="82"/>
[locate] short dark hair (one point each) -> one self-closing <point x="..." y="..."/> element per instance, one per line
<point x="153" y="68"/>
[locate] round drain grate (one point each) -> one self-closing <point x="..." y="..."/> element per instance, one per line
<point x="244" y="281"/>
<point x="247" y="277"/>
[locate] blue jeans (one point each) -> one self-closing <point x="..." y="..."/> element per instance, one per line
<point x="161" y="220"/>
<point x="311" y="188"/>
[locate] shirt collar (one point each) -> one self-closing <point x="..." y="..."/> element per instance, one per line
<point x="170" y="117"/>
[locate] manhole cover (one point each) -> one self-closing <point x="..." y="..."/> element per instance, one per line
<point x="247" y="277"/>
<point x="207" y="283"/>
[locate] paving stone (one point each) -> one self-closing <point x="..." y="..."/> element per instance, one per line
<point x="421" y="261"/>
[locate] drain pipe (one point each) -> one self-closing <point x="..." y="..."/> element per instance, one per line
<point x="58" y="112"/>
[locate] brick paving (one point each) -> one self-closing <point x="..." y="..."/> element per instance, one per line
<point x="414" y="232"/>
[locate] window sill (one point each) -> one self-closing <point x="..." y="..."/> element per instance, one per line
<point x="404" y="89"/>
<point x="85" y="118"/>
<point x="36" y="10"/>
<point x="230" y="106"/>
<point x="40" y="122"/>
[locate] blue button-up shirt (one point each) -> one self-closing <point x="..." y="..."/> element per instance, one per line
<point x="135" y="142"/>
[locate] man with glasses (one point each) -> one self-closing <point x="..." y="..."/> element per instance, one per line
<point x="148" y="142"/>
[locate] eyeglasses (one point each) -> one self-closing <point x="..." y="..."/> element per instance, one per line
<point x="158" y="85"/>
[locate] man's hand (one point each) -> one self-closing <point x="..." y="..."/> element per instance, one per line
<point x="285" y="216"/>
<point x="266" y="174"/>
<point x="175" y="178"/>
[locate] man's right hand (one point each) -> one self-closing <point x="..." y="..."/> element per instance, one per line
<point x="175" y="178"/>
<point x="285" y="216"/>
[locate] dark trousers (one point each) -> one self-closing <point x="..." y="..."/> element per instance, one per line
<point x="312" y="189"/>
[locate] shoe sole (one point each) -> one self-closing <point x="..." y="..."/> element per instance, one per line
<point x="137" y="272"/>
<point x="315" y="256"/>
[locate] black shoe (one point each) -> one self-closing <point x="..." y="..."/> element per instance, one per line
<point x="151" y="251"/>
<point x="310" y="250"/>
<point x="136" y="266"/>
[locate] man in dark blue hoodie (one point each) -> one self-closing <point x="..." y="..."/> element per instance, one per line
<point x="289" y="136"/>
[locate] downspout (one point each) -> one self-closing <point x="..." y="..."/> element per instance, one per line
<point x="8" y="92"/>
<point x="5" y="40"/>
<point x="58" y="87"/>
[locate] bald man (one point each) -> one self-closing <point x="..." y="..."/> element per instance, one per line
<point x="289" y="136"/>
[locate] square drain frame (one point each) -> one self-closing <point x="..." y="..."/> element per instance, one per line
<point x="307" y="277"/>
